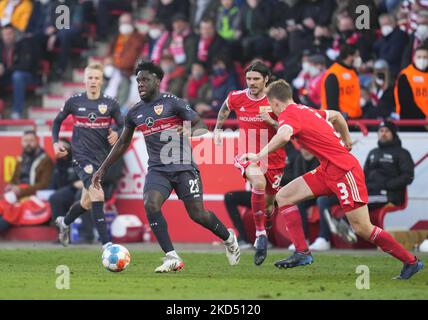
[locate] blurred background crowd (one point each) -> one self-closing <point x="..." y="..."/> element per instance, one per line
<point x="204" y="45"/>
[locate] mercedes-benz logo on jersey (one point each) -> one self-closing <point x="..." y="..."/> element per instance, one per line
<point x="150" y="121"/>
<point x="92" y="117"/>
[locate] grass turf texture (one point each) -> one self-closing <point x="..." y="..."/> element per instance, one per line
<point x="30" y="274"/>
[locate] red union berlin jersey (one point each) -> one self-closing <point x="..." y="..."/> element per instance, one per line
<point x="317" y="135"/>
<point x="254" y="133"/>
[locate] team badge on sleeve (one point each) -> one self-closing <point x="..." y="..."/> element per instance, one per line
<point x="88" y="169"/>
<point x="265" y="109"/>
<point x="158" y="109"/>
<point x="102" y="108"/>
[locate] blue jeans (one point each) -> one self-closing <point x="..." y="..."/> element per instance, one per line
<point x="4" y="225"/>
<point x="20" y="80"/>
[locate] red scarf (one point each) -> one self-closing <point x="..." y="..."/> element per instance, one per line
<point x="203" y="47"/>
<point x="158" y="47"/>
<point x="194" y="85"/>
<point x="176" y="48"/>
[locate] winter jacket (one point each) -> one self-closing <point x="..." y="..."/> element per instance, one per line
<point x="39" y="173"/>
<point x="389" y="168"/>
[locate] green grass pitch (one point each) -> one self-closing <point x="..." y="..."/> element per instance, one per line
<point x="30" y="274"/>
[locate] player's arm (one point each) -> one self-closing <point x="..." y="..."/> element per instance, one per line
<point x="117" y="152"/>
<point x="197" y="126"/>
<point x="268" y="119"/>
<point x="193" y="125"/>
<point x="59" y="150"/>
<point x="280" y="139"/>
<point x="222" y="116"/>
<point x="118" y="118"/>
<point x="340" y="125"/>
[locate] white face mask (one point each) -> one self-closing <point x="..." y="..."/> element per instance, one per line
<point x="379" y="82"/>
<point x="362" y="102"/>
<point x="421" y="63"/>
<point x="126" y="28"/>
<point x="306" y="66"/>
<point x="155" y="33"/>
<point x="108" y="71"/>
<point x="386" y="30"/>
<point x="421" y="32"/>
<point x="313" y="71"/>
<point x="357" y="62"/>
<point x="44" y="1"/>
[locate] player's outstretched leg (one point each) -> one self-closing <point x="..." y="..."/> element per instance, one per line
<point x="63" y="223"/>
<point x="360" y="221"/>
<point x="153" y="201"/>
<point x="209" y="220"/>
<point x="286" y="198"/>
<point x="257" y="179"/>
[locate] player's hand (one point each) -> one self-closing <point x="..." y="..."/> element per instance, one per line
<point x="267" y="118"/>
<point x="218" y="137"/>
<point x="59" y="150"/>
<point x="348" y="144"/>
<point x="97" y="178"/>
<point x="112" y="136"/>
<point x="183" y="131"/>
<point x="249" y="157"/>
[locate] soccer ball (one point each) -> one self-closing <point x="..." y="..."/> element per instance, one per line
<point x="116" y="258"/>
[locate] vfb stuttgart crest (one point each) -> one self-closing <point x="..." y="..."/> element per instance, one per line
<point x="102" y="108"/>
<point x="158" y="109"/>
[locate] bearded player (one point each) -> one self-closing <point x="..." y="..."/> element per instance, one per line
<point x="325" y="134"/>
<point x="257" y="126"/>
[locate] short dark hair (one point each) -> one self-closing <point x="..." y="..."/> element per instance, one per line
<point x="424" y="46"/>
<point x="279" y="89"/>
<point x="260" y="67"/>
<point x="8" y="26"/>
<point x="30" y="132"/>
<point x="347" y="50"/>
<point x="151" y="67"/>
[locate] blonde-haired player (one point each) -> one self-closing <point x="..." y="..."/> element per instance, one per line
<point x="93" y="137"/>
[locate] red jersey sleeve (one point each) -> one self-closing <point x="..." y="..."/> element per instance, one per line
<point x="323" y="114"/>
<point x="230" y="101"/>
<point x="291" y="119"/>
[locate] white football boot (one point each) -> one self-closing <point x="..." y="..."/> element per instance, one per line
<point x="233" y="252"/>
<point x="169" y="264"/>
<point x="64" y="231"/>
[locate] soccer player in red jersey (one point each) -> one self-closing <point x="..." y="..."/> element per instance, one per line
<point x="325" y="134"/>
<point x="257" y="125"/>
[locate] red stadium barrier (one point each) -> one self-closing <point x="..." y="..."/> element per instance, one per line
<point x="362" y="124"/>
<point x="18" y="123"/>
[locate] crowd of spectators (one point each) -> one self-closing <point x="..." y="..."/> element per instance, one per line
<point x="203" y="46"/>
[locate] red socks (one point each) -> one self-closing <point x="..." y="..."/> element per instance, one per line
<point x="258" y="205"/>
<point x="388" y="244"/>
<point x="293" y="223"/>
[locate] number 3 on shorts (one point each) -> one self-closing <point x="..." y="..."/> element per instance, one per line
<point x="194" y="186"/>
<point x="343" y="191"/>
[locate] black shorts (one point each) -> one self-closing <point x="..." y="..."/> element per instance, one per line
<point x="85" y="170"/>
<point x="187" y="184"/>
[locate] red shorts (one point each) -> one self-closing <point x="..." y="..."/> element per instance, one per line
<point x="349" y="186"/>
<point x="273" y="176"/>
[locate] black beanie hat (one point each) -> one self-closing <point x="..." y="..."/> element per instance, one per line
<point x="390" y="125"/>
